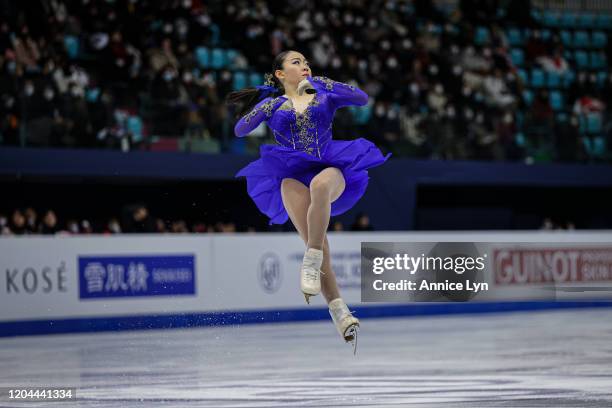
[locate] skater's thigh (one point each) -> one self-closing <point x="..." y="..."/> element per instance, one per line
<point x="296" y="199"/>
<point x="332" y="180"/>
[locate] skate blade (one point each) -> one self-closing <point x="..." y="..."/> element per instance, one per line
<point x="350" y="336"/>
<point x="307" y="296"/>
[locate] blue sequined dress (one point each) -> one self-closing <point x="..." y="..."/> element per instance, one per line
<point x="305" y="147"/>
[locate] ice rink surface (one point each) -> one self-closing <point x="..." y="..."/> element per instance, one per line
<point x="523" y="359"/>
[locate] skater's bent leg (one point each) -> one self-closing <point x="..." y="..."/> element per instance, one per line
<point x="325" y="188"/>
<point x="329" y="286"/>
<point x="296" y="199"/>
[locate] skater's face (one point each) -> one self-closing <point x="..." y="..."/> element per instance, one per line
<point x="295" y="69"/>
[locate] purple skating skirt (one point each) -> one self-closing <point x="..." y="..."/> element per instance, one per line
<point x="264" y="176"/>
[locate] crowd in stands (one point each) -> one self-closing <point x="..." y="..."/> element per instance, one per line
<point x="135" y="218"/>
<point x="479" y="81"/>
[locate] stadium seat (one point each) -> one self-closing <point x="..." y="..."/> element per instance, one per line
<point x="566" y="38"/>
<point x="601" y="78"/>
<point x="240" y="81"/>
<point x="517" y="56"/>
<point x="568" y="20"/>
<point x="514" y="37"/>
<point x="582" y="59"/>
<point x="581" y="39"/>
<point x="603" y="21"/>
<point x="230" y="56"/>
<point x="537" y="78"/>
<point x="256" y="79"/>
<point x="522" y="74"/>
<point x="135" y="127"/>
<point x="586" y="20"/>
<point x="71" y="44"/>
<point x="553" y="80"/>
<point x="556" y="100"/>
<point x="594" y="125"/>
<point x="481" y="36"/>
<point x="568" y="78"/>
<point x="599" y="39"/>
<point x="550" y="18"/>
<point x="598" y="60"/>
<point x="528" y="97"/>
<point x="202" y="55"/>
<point x="217" y="58"/>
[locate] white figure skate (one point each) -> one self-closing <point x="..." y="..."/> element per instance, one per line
<point x="345" y="322"/>
<point x="310" y="274"/>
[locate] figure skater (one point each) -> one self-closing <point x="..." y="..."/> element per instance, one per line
<point x="306" y="176"/>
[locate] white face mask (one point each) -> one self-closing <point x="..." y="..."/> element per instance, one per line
<point x="49" y="94"/>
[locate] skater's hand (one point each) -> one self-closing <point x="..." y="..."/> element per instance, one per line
<point x="305" y="86"/>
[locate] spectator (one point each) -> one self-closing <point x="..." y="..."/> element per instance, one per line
<point x="49" y="223"/>
<point x="362" y="223"/>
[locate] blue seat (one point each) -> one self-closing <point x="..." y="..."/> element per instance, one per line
<point x="599" y="39"/>
<point x="593" y="125"/>
<point x="202" y="55"/>
<point x="586" y="20"/>
<point x="481" y="36"/>
<point x="556" y="100"/>
<point x="230" y="56"/>
<point x="598" y="60"/>
<point x="595" y="147"/>
<point x="528" y="97"/>
<point x="568" y="20"/>
<point x="135" y="127"/>
<point x="566" y="38"/>
<point x="581" y="39"/>
<point x="601" y="78"/>
<point x="522" y="74"/>
<point x="514" y="37"/>
<point x="517" y="56"/>
<point x="71" y="44"/>
<point x="550" y="18"/>
<point x="520" y="140"/>
<point x="255" y="79"/>
<point x="582" y="59"/>
<point x="537" y="78"/>
<point x="568" y="78"/>
<point x="546" y="34"/>
<point x="240" y="81"/>
<point x="217" y="58"/>
<point x="603" y="21"/>
<point x="553" y="80"/>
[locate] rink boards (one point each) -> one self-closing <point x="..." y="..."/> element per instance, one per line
<point x="88" y="283"/>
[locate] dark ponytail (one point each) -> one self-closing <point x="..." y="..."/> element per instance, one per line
<point x="245" y="99"/>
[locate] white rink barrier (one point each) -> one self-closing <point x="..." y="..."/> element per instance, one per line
<point x="47" y="279"/>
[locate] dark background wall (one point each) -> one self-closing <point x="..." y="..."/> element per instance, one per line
<point x="402" y="195"/>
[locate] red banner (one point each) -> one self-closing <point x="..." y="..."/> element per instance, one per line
<point x="527" y="266"/>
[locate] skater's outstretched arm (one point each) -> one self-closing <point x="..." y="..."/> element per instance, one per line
<point x="262" y="111"/>
<point x="339" y="93"/>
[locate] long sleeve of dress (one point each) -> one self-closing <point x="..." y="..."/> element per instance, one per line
<point x="262" y="111"/>
<point x="340" y="94"/>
